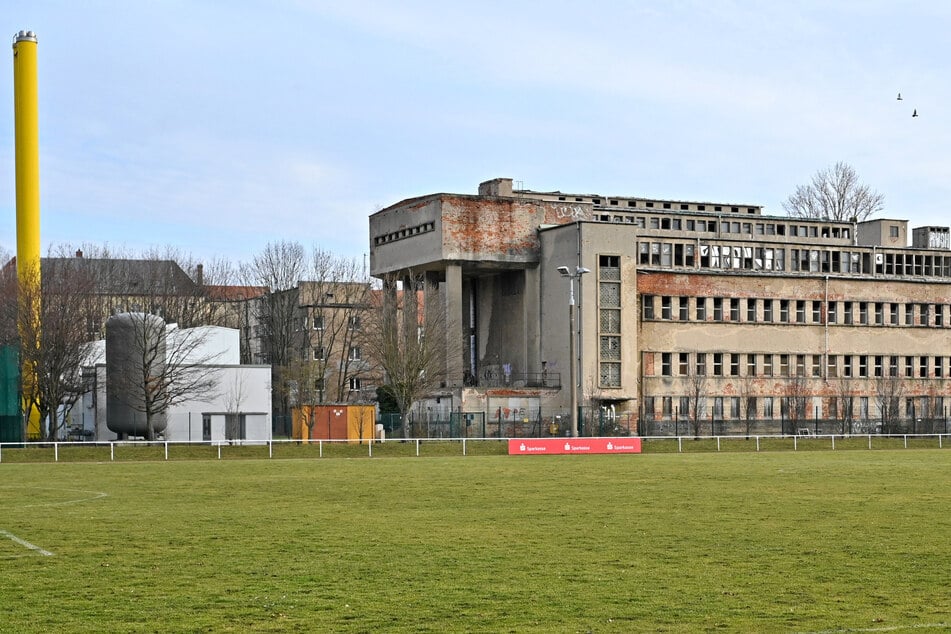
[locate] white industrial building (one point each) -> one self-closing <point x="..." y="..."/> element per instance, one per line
<point x="237" y="410"/>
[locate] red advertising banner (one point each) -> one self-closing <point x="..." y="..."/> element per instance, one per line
<point x="548" y="446"/>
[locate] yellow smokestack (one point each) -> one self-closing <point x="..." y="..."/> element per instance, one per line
<point x="26" y="129"/>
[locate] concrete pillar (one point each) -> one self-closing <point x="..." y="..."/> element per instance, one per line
<point x="410" y="309"/>
<point x="453" y="306"/>
<point x="531" y="311"/>
<point x="432" y="302"/>
<point x="389" y="309"/>
<point x="437" y="311"/>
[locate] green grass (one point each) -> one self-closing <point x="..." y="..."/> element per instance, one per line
<point x="767" y="542"/>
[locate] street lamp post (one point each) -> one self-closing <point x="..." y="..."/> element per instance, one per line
<point x="566" y="272"/>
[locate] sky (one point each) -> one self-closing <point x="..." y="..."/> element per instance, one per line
<point x="216" y="127"/>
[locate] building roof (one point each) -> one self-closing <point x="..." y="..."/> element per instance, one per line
<point x="127" y="277"/>
<point x="225" y="293"/>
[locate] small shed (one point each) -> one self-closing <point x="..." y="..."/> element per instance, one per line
<point x="340" y="421"/>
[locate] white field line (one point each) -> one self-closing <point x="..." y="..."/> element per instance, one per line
<point x="92" y="495"/>
<point x="95" y="496"/>
<point x="25" y="543"/>
<point x="888" y="628"/>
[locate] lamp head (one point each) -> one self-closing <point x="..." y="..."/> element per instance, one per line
<point x="564" y="270"/>
<point x="581" y="270"/>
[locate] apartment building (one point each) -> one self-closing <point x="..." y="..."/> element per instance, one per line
<point x="687" y="313"/>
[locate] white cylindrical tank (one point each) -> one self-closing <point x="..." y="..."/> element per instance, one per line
<point x="135" y="357"/>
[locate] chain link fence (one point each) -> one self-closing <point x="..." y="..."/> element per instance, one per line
<point x="708" y="427"/>
<point x="503" y="423"/>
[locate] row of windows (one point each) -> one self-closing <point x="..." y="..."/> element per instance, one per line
<point x="795" y="311"/>
<point x="609" y="320"/>
<point x="651" y="204"/>
<point x="318" y="322"/>
<point x="768" y="407"/>
<point x="687" y="364"/>
<point x="744" y="257"/>
<point x="354" y="383"/>
<point x="353" y="354"/>
<point x="719" y="256"/>
<point x="408" y="232"/>
<point x="721" y="227"/>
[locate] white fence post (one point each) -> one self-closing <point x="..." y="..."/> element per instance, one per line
<point x="55" y="452"/>
<point x="166" y="450"/>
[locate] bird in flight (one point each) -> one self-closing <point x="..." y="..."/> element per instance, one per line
<point x="899" y="96"/>
<point x="915" y="113"/>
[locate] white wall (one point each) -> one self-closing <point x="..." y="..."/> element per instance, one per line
<point x="244" y="389"/>
<point x="221" y="346"/>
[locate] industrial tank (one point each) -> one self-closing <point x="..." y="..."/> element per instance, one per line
<point x="135" y="350"/>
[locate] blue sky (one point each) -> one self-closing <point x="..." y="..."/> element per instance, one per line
<point x="218" y="126"/>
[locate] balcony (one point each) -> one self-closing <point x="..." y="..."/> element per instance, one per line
<point x="492" y="378"/>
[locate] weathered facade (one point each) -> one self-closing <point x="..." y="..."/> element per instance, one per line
<point x="692" y="313"/>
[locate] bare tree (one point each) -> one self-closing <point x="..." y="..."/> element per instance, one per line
<point x="279" y="267"/>
<point x="845" y="408"/>
<point x="748" y="398"/>
<point x="365" y="421"/>
<point x="797" y="399"/>
<point x="304" y="386"/>
<point x="160" y="369"/>
<point x="696" y="398"/>
<point x="13" y="417"/>
<point x="335" y="301"/>
<point x="835" y="193"/>
<point x="932" y="409"/>
<point x="165" y="282"/>
<point x="412" y="358"/>
<point x="889" y="391"/>
<point x="54" y="310"/>
<point x="234" y="399"/>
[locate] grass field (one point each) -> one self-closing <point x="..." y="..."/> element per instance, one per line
<point x="751" y="542"/>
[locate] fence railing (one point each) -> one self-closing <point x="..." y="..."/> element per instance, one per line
<point x="785" y="442"/>
<point x="502" y="422"/>
<point x="715" y="426"/>
<point x="142" y="450"/>
<point x="499" y="378"/>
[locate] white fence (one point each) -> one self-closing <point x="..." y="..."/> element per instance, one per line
<point x="132" y="450"/>
<point x="167" y="450"/>
<point x="814" y="441"/>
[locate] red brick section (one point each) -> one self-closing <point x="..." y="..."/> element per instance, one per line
<point x="501" y="227"/>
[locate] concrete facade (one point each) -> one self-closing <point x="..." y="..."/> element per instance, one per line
<point x="691" y="310"/>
